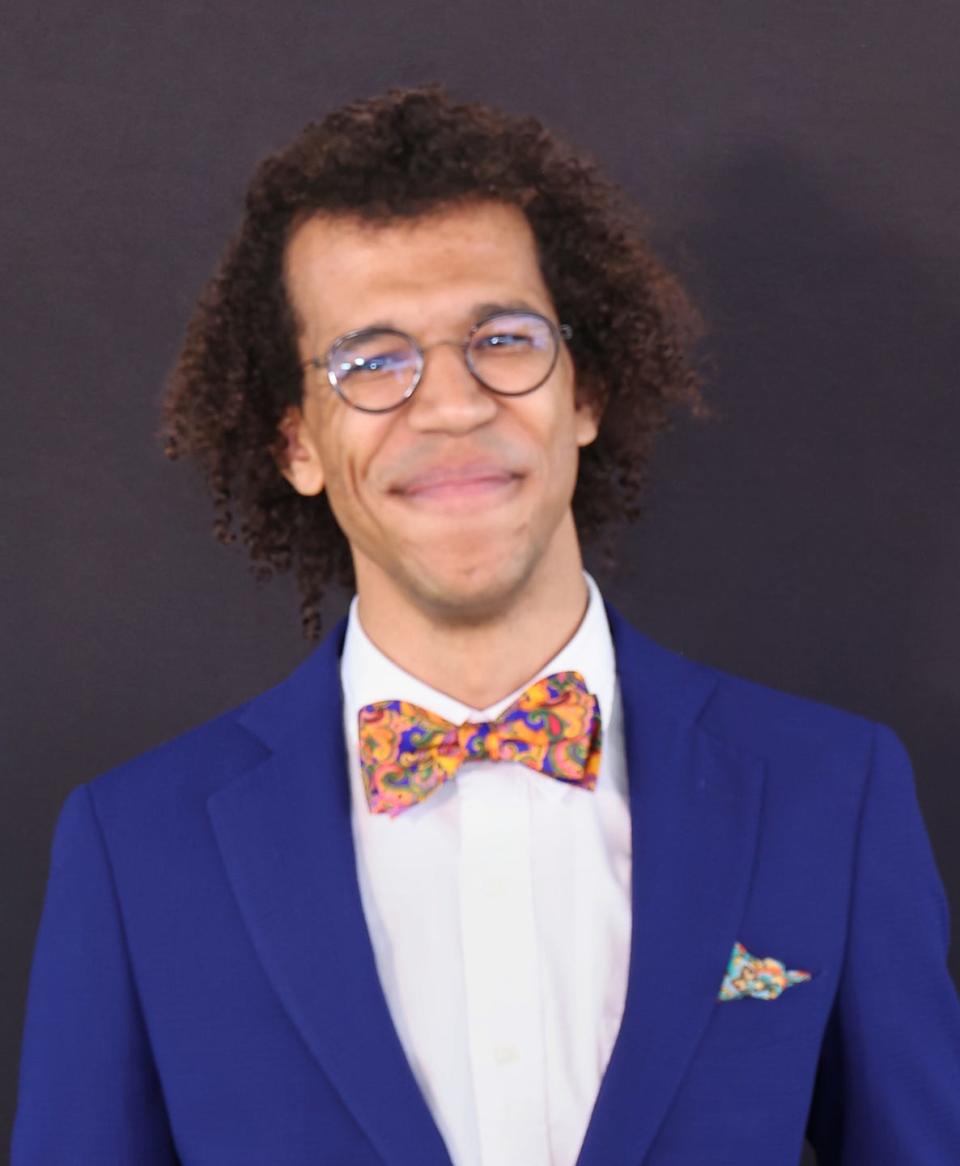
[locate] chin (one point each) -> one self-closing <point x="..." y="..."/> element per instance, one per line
<point x="469" y="593"/>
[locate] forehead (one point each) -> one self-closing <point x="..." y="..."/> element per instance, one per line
<point x="342" y="272"/>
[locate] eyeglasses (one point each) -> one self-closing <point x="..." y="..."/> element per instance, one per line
<point x="377" y="369"/>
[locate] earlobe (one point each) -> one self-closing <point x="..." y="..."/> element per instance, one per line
<point x="298" y="458"/>
<point x="587" y="425"/>
<point x="588" y="406"/>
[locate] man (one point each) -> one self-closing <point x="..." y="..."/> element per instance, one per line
<point x="492" y="878"/>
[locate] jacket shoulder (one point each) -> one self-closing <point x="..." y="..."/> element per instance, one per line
<point x="768" y="718"/>
<point x="809" y="748"/>
<point x="744" y="713"/>
<point x="749" y="715"/>
<point x="184" y="769"/>
<point x="189" y="767"/>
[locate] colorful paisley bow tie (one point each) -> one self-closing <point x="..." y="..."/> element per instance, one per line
<point x="407" y="752"/>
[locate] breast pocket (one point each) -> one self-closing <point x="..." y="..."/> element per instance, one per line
<point x="746" y="1024"/>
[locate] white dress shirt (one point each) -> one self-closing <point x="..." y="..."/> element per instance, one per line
<point x="499" y="913"/>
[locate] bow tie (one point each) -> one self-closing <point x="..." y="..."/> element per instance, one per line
<point x="407" y="752"/>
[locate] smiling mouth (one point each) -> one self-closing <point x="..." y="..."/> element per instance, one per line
<point x="463" y="493"/>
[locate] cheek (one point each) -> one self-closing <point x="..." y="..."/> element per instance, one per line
<point x="350" y="453"/>
<point x="545" y="427"/>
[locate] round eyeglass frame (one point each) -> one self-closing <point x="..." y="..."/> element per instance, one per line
<point x="558" y="331"/>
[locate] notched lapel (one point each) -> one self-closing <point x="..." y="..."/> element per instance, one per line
<point x="695" y="806"/>
<point x="284" y="835"/>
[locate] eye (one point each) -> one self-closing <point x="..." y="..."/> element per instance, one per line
<point x="381" y="363"/>
<point x="499" y="341"/>
<point x="512" y="334"/>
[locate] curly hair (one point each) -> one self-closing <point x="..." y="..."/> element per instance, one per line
<point x="403" y="155"/>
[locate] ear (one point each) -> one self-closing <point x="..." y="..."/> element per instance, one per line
<point x="298" y="458"/>
<point x="586" y="421"/>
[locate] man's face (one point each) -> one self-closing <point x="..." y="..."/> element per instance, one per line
<point x="471" y="543"/>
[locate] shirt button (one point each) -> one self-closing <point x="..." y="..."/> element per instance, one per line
<point x="505" y="1054"/>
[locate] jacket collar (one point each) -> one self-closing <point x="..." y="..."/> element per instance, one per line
<point x="283" y="829"/>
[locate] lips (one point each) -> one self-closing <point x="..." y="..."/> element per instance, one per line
<point x="477" y="474"/>
<point x="465" y="491"/>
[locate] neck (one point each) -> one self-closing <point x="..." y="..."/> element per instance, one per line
<point x="477" y="644"/>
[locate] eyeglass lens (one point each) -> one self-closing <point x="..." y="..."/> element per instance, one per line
<point x="511" y="353"/>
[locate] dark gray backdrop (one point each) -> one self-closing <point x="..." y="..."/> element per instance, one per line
<point x="800" y="164"/>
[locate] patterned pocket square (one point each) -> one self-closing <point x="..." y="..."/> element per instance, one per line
<point x="749" y="975"/>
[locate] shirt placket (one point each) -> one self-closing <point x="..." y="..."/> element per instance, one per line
<point x="499" y="934"/>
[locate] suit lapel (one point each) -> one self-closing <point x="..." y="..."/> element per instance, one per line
<point x="284" y="833"/>
<point x="283" y="829"/>
<point x="695" y="810"/>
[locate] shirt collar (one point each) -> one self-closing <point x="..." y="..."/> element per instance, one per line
<point x="368" y="675"/>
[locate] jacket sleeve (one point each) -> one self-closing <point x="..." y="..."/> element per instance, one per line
<point x="89" y="1092"/>
<point x="888" y="1085"/>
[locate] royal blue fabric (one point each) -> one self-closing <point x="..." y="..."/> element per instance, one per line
<point x="204" y="990"/>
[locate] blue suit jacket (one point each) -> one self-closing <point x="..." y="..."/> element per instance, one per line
<point x="204" y="989"/>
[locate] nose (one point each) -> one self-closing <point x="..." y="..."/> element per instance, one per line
<point x="449" y="396"/>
